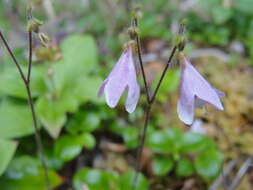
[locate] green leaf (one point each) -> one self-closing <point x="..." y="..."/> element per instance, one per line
<point x="16" y="120"/>
<point x="11" y="83"/>
<point x="73" y="84"/>
<point x="69" y="146"/>
<point x="162" y="165"/>
<point x="147" y="27"/>
<point x="184" y="168"/>
<point x="26" y="173"/>
<point x="194" y="142"/>
<point x="7" y="150"/>
<point x="166" y="141"/>
<point x="87" y="88"/>
<point x="208" y="163"/>
<point x="159" y="141"/>
<point x="79" y="59"/>
<point x="84" y="122"/>
<point x="126" y="181"/>
<point x="72" y="81"/>
<point x="51" y="114"/>
<point x="80" y="49"/>
<point x="221" y="14"/>
<point x="130" y="136"/>
<point x="244" y="6"/>
<point x="88" y="140"/>
<point x="94" y="179"/>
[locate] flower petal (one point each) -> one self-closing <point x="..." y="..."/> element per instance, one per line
<point x="133" y="87"/>
<point x="185" y="105"/>
<point x="132" y="97"/>
<point x="102" y="88"/>
<point x="117" y="81"/>
<point x="200" y="87"/>
<point x="220" y="94"/>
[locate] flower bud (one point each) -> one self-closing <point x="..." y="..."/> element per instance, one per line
<point x="33" y="25"/>
<point x="133" y="32"/>
<point x="180" y="42"/>
<point x="44" y="39"/>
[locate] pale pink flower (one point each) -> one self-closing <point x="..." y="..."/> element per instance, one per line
<point x="122" y="76"/>
<point x="194" y="91"/>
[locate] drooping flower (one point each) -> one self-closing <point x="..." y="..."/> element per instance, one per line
<point x="194" y="91"/>
<point x="122" y="77"/>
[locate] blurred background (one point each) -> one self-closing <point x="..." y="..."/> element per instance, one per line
<point x="92" y="147"/>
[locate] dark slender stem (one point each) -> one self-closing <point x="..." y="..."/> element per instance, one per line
<point x="141" y="147"/>
<point x="147" y="116"/>
<point x="137" y="39"/>
<point x="13" y="57"/>
<point x="30" y="57"/>
<point x="163" y="74"/>
<point x="30" y="102"/>
<point x="38" y="137"/>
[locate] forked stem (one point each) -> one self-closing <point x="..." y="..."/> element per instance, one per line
<point x="26" y="81"/>
<point x="150" y="102"/>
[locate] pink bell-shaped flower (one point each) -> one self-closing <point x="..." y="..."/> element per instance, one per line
<point x="122" y="76"/>
<point x="194" y="91"/>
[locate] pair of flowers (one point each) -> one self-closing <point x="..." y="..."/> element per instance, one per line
<point x="195" y="91"/>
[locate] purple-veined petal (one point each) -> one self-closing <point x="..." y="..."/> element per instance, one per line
<point x="133" y="92"/>
<point x="102" y="88"/>
<point x="200" y="103"/>
<point x="185" y="105"/>
<point x="200" y="87"/>
<point x="133" y="87"/>
<point x="117" y="81"/>
<point x="121" y="77"/>
<point x="132" y="97"/>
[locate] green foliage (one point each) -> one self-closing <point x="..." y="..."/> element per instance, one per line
<point x="177" y="147"/>
<point x="73" y="84"/>
<point x="51" y="114"/>
<point x="126" y="181"/>
<point x="84" y="121"/>
<point x="68" y="147"/>
<point x="25" y="173"/>
<point x="159" y="142"/>
<point x="18" y="127"/>
<point x="162" y="165"/>
<point x="11" y="83"/>
<point x="244" y="6"/>
<point x="96" y="179"/>
<point x="7" y="149"/>
<point x="170" y="84"/>
<point x="130" y="136"/>
<point x="184" y="168"/>
<point x="208" y="163"/>
<point x="195" y="142"/>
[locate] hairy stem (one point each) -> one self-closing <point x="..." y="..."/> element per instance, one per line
<point x="30" y="102"/>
